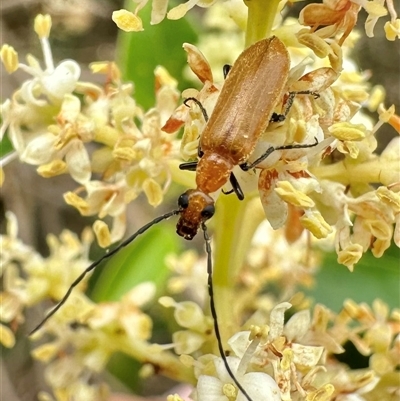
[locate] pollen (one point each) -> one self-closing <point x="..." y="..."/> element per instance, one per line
<point x="9" y="57"/>
<point x="42" y="25"/>
<point x="52" y="169"/>
<point x="76" y="201"/>
<point x="102" y="233"/>
<point x="124" y="154"/>
<point x="127" y="21"/>
<point x="350" y="255"/>
<point x="229" y="391"/>
<point x="347" y="131"/>
<point x="153" y="191"/>
<point x="322" y="394"/>
<point x="317" y="44"/>
<point x="291" y="195"/>
<point x="315" y="223"/>
<point x="287" y="359"/>
<point x="389" y="198"/>
<point x="7" y="337"/>
<point x="392" y="30"/>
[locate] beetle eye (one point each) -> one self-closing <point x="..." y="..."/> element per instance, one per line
<point x="183" y="201"/>
<point x="208" y="211"/>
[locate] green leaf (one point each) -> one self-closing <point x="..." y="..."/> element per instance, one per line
<point x="140" y="52"/>
<point x="5" y="146"/>
<point x="372" y="278"/>
<point x="143" y="260"/>
<point x="126" y="369"/>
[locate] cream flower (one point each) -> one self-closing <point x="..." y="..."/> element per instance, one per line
<point x="341" y="16"/>
<point x="130" y="21"/>
<point x="189" y="271"/>
<point x="47" y="96"/>
<point x="33" y="105"/>
<point x="258" y="385"/>
<point x="49" y="126"/>
<point x="189" y="315"/>
<point x="29" y="278"/>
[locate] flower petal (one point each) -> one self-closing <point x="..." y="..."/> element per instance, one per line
<point x="78" y="162"/>
<point x="275" y="208"/>
<point x="63" y="80"/>
<point x="260" y="387"/>
<point x="198" y="63"/>
<point x="39" y="150"/>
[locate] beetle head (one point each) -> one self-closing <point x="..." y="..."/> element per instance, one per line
<point x="195" y="208"/>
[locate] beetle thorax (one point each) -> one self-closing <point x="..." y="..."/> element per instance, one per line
<point x="213" y="171"/>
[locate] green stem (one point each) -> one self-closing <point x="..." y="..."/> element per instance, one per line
<point x="260" y="19"/>
<point x="347" y="172"/>
<point x="234" y="225"/>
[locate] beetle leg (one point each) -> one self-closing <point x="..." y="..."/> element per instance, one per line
<point x="236" y="187"/>
<point x="226" y="68"/>
<point x="203" y="110"/>
<point x="290" y="99"/>
<point x="190" y="166"/>
<point x="249" y="166"/>
<point x="277" y="118"/>
<point x="231" y="191"/>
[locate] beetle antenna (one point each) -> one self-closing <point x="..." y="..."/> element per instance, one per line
<point x="98" y="261"/>
<point x="214" y="312"/>
<point x="203" y="110"/>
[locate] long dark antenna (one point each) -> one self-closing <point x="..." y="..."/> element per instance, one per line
<point x="214" y="313"/>
<point x="97" y="262"/>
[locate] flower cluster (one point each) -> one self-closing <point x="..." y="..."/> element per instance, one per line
<point x="336" y="16"/>
<point x="325" y="193"/>
<point x="300" y="356"/>
<point x="28" y="278"/>
<point x="84" y="335"/>
<point x="54" y="119"/>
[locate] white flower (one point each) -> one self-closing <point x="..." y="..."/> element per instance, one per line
<point x="259" y="386"/>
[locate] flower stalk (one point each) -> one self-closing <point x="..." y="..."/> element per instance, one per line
<point x="260" y="19"/>
<point x="234" y="226"/>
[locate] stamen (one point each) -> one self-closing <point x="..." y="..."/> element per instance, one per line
<point x="246" y="358"/>
<point x="42" y="27"/>
<point x="9" y="57"/>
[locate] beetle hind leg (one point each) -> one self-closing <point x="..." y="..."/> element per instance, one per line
<point x="277" y="117"/>
<point x="248" y="166"/>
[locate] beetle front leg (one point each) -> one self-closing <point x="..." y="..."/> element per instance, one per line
<point x="189" y="166"/>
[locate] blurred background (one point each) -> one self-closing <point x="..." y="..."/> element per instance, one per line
<point x="83" y="30"/>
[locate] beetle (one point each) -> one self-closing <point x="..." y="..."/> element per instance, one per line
<point x="253" y="88"/>
<point x="245" y="107"/>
